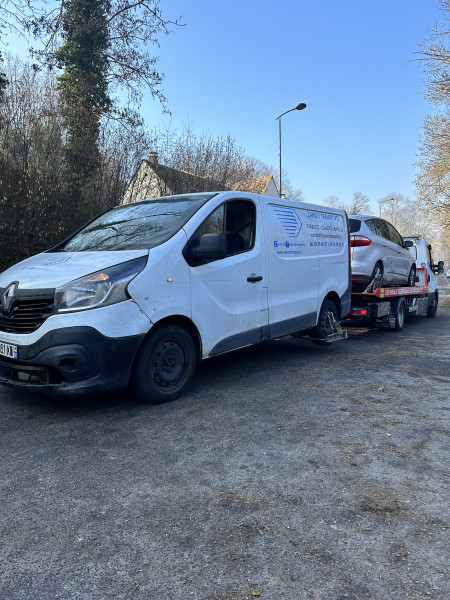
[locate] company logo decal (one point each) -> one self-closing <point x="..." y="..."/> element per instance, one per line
<point x="289" y="219"/>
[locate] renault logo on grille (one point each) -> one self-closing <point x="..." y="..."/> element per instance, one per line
<point x="8" y="296"/>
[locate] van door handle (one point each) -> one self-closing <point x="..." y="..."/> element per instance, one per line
<point x="253" y="278"/>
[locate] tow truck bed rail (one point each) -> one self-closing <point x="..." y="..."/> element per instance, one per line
<point x="388" y="307"/>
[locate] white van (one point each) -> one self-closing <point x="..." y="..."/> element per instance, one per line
<point x="421" y="252"/>
<point x="145" y="290"/>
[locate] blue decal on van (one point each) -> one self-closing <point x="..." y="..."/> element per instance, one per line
<point x="289" y="219"/>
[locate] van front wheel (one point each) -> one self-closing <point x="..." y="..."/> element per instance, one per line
<point x="165" y="365"/>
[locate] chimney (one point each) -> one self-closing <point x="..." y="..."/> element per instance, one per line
<point x="153" y="158"/>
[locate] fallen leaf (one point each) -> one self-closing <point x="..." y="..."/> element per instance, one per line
<point x="256" y="592"/>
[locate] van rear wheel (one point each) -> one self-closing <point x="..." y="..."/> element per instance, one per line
<point x="165" y="365"/>
<point x="327" y="315"/>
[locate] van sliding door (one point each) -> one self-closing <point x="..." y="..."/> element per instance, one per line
<point x="292" y="241"/>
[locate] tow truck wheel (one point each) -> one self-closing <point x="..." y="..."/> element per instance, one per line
<point x="324" y="327"/>
<point x="432" y="307"/>
<point x="399" y="313"/>
<point x="165" y="365"/>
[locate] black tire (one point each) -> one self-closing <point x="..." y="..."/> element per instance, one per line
<point x="432" y="307"/>
<point x="324" y="326"/>
<point x="165" y="365"/>
<point x="399" y="313"/>
<point x="411" y="277"/>
<point x="377" y="276"/>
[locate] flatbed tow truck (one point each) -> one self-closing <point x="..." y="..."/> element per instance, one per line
<point x="388" y="307"/>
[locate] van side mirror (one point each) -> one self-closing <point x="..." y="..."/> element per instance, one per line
<point x="211" y="246"/>
<point x="409" y="244"/>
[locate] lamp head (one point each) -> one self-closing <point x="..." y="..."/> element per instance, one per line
<point x="300" y="106"/>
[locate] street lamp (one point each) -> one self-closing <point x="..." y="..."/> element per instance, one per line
<point x="383" y="201"/>
<point x="299" y="106"/>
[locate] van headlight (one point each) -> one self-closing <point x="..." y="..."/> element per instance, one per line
<point x="105" y="287"/>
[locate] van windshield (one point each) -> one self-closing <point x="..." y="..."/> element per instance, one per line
<point x="143" y="224"/>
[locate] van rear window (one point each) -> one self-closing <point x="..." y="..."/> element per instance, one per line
<point x="138" y="225"/>
<point x="355" y="225"/>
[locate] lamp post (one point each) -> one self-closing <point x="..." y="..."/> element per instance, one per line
<point x="299" y="106"/>
<point x="383" y="201"/>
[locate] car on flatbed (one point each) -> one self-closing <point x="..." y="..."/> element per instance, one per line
<point x="379" y="255"/>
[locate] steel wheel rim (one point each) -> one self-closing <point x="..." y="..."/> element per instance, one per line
<point x="168" y="363"/>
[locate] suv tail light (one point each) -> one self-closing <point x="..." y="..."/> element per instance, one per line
<point x="359" y="240"/>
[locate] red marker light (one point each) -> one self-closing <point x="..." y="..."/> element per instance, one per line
<point x="359" y="312"/>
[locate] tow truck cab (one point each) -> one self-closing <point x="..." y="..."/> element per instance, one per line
<point x="421" y="251"/>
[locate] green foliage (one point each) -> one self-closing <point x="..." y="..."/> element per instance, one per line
<point x="82" y="85"/>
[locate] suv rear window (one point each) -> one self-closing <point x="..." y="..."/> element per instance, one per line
<point x="355" y="225"/>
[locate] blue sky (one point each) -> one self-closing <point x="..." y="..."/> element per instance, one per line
<point x="236" y="66"/>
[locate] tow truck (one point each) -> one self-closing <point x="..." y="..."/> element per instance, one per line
<point x="388" y="307"/>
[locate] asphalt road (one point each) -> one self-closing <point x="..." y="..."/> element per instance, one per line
<point x="289" y="471"/>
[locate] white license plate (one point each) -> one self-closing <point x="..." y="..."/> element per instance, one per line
<point x="8" y="350"/>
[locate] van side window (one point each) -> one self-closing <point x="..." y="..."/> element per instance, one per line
<point x="239" y="226"/>
<point x="236" y="220"/>
<point x="213" y="224"/>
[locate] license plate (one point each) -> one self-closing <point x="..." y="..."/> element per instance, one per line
<point x="8" y="350"/>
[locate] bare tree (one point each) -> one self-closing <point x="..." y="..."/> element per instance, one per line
<point x="289" y="191"/>
<point x="433" y="180"/>
<point x="16" y="16"/>
<point x="359" y="205"/>
<point x="131" y="28"/>
<point x="219" y="161"/>
<point x="332" y="201"/>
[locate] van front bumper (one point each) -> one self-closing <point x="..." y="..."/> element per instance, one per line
<point x="71" y="361"/>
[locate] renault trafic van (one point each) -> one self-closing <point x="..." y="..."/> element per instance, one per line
<point x="145" y="290"/>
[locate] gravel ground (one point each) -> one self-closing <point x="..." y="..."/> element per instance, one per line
<point x="289" y="471"/>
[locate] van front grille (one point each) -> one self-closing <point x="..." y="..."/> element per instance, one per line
<point x="25" y="316"/>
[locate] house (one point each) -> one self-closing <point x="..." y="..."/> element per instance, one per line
<point x="263" y="185"/>
<point x="152" y="180"/>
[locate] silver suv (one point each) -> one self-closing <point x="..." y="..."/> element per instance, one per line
<point x="379" y="254"/>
